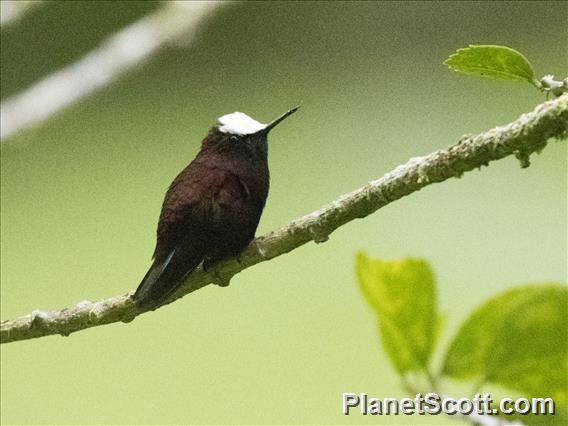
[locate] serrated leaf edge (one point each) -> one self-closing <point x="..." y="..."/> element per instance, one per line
<point x="531" y="79"/>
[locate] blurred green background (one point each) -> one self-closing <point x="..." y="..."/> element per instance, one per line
<point x="81" y="195"/>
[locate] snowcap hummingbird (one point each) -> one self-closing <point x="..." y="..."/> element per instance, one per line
<point x="212" y="208"/>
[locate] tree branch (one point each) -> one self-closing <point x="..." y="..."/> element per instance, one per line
<point x="526" y="135"/>
<point x="11" y="10"/>
<point x="121" y="52"/>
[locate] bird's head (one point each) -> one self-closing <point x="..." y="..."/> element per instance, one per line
<point x="239" y="134"/>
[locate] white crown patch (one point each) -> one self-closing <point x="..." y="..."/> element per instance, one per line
<point x="239" y="123"/>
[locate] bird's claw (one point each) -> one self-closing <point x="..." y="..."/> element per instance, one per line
<point x="219" y="280"/>
<point x="216" y="277"/>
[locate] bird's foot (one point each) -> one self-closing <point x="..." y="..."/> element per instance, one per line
<point x="220" y="280"/>
<point x="216" y="277"/>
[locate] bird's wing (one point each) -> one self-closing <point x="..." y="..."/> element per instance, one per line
<point x="166" y="275"/>
<point x="199" y="202"/>
<point x="196" y="200"/>
<point x="150" y="292"/>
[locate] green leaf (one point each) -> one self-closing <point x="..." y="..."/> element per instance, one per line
<point x="403" y="295"/>
<point x="518" y="339"/>
<point x="498" y="62"/>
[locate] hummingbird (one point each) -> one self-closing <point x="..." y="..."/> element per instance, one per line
<point x="212" y="208"/>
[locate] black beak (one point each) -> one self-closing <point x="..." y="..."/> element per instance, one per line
<point x="273" y="123"/>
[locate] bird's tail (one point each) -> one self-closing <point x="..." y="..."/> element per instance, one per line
<point x="162" y="279"/>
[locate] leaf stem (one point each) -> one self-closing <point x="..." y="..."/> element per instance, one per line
<point x="548" y="84"/>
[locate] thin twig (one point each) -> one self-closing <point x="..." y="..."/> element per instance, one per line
<point x="121" y="52"/>
<point x="11" y="11"/>
<point x="526" y="135"/>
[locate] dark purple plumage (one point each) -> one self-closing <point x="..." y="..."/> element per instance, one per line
<point x="212" y="208"/>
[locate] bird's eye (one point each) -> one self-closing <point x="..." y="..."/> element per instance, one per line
<point x="233" y="139"/>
